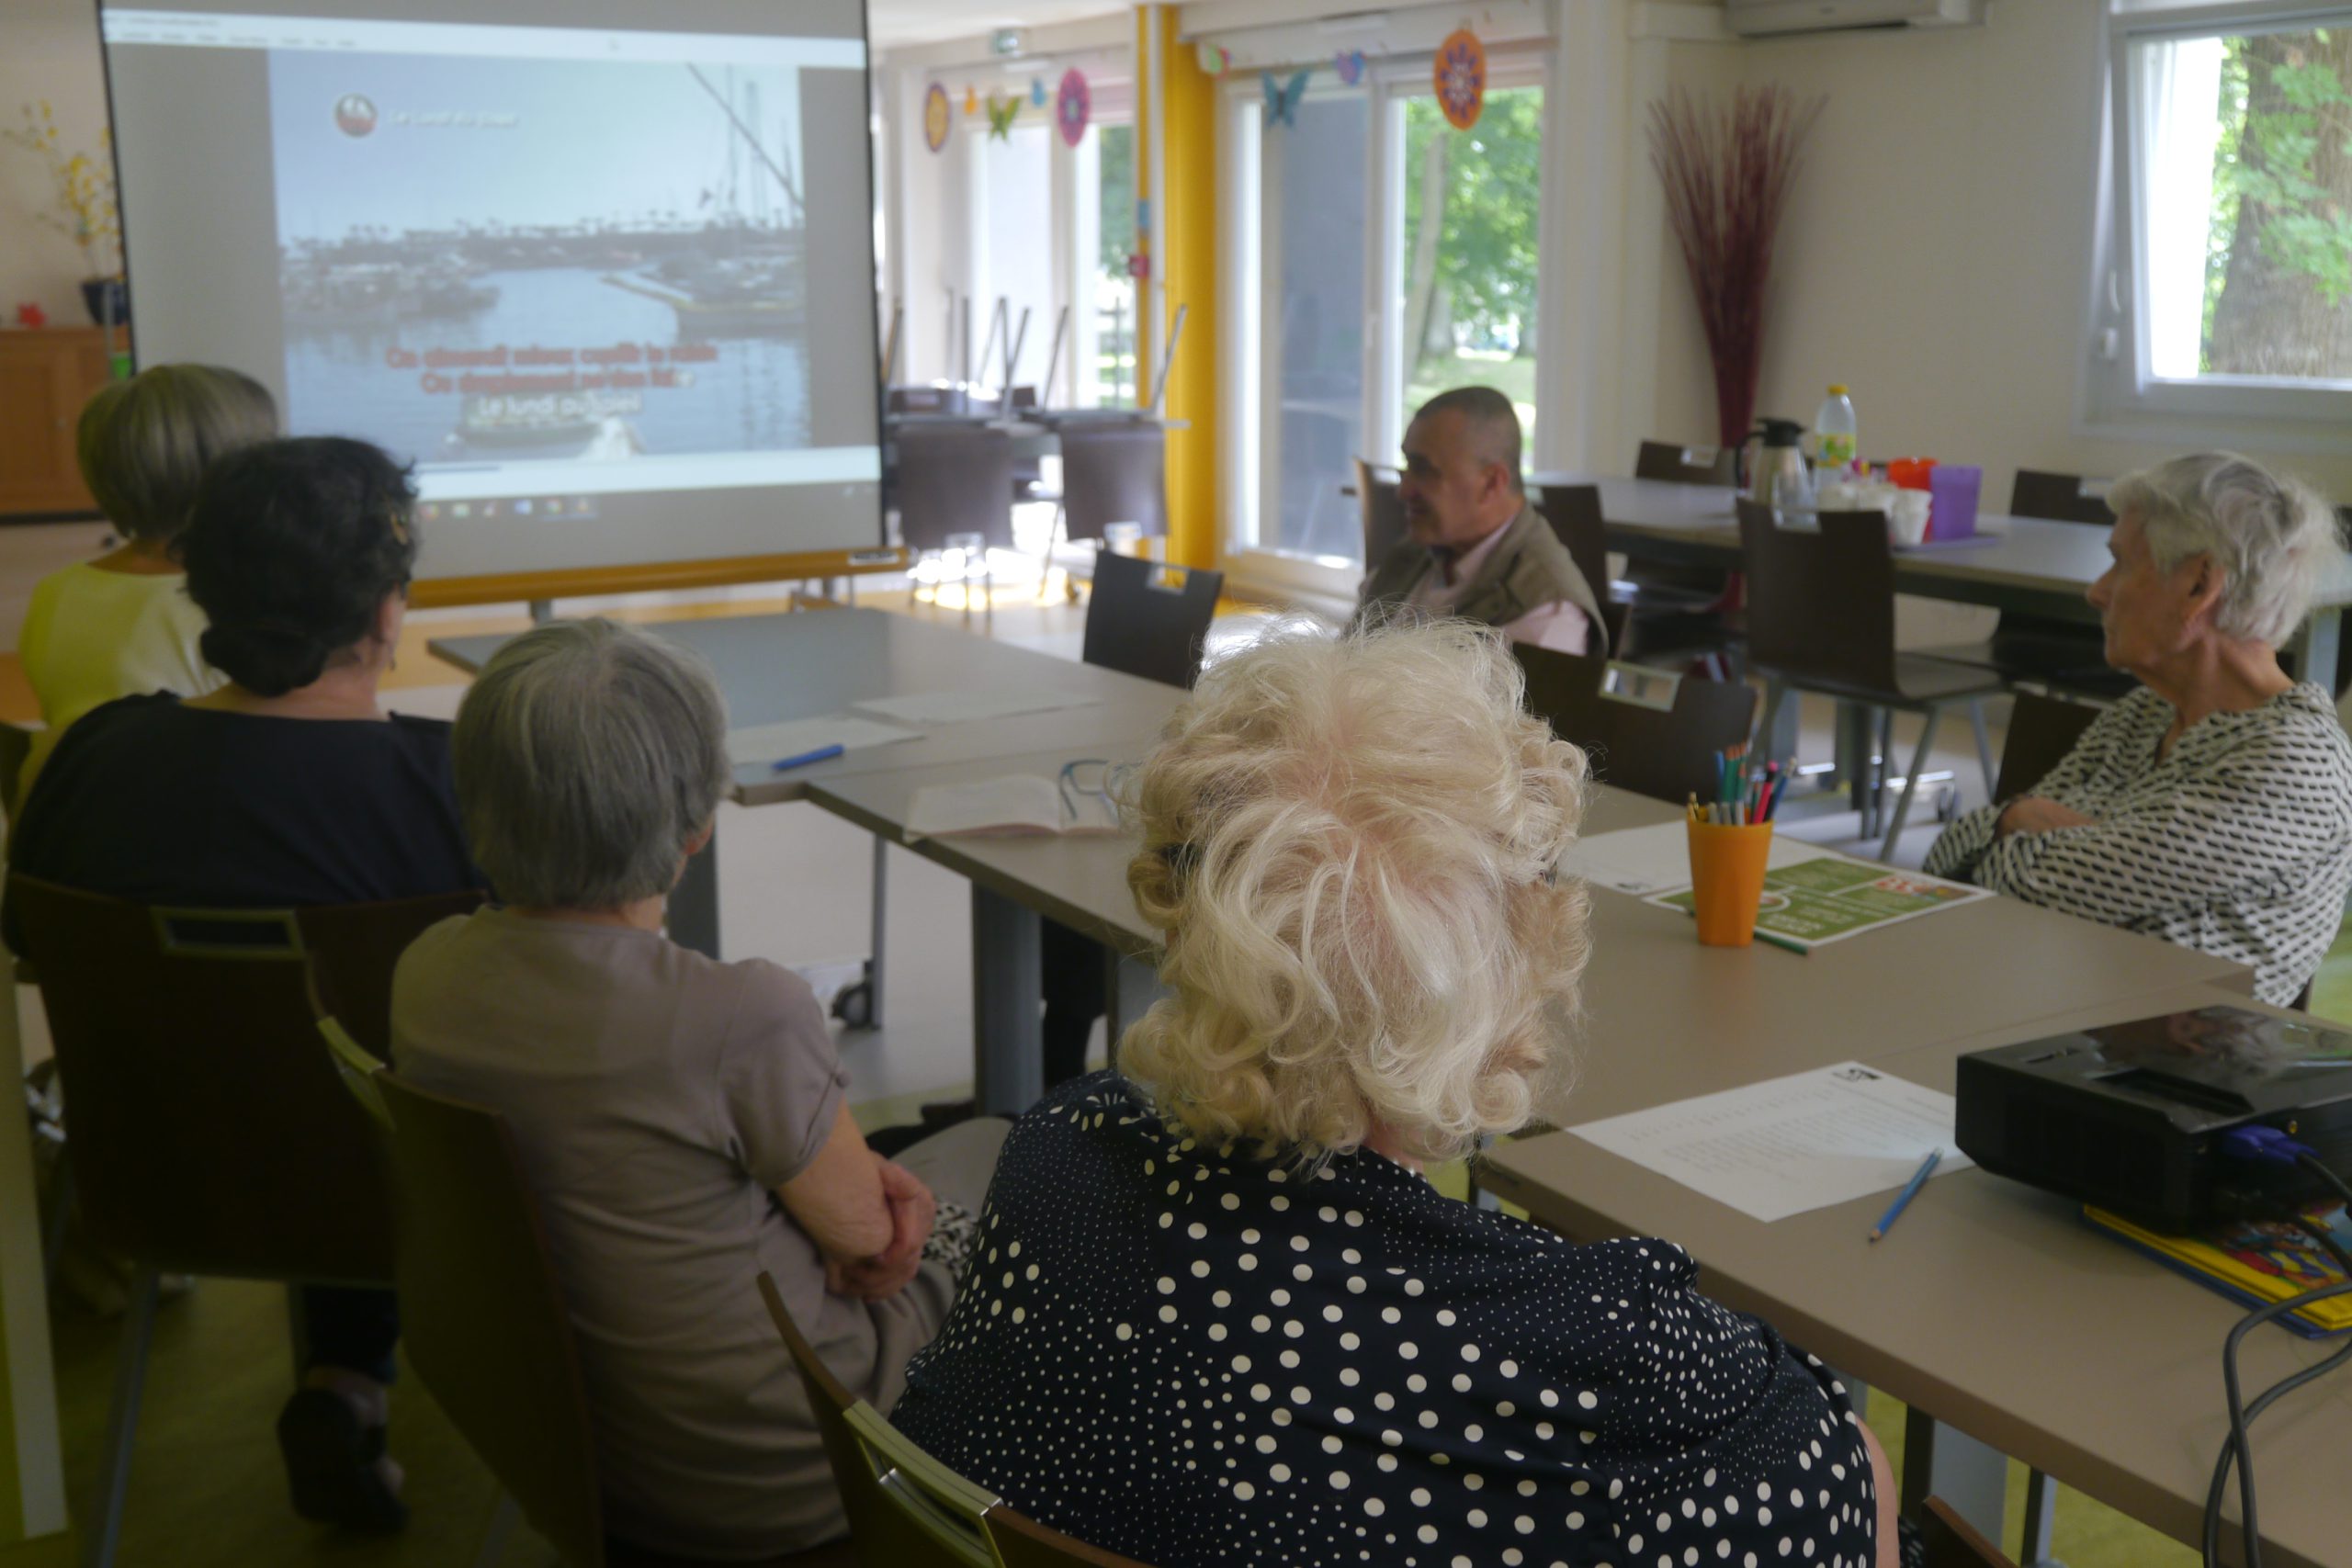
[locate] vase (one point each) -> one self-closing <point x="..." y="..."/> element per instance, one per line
<point x="108" y="299"/>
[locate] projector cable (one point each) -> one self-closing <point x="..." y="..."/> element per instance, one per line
<point x="2268" y="1145"/>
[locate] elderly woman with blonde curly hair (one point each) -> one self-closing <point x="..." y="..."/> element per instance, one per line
<point x="1218" y="1314"/>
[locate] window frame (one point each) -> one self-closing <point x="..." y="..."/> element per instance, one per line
<point x="2122" y="395"/>
<point x="1248" y="268"/>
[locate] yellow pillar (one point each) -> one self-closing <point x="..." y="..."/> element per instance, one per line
<point x="1179" y="101"/>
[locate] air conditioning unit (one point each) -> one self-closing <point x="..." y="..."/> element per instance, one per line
<point x="1767" y="18"/>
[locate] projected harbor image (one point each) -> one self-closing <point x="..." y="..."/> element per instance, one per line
<point x="497" y="261"/>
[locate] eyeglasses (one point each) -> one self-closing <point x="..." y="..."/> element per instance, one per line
<point x="1093" y="777"/>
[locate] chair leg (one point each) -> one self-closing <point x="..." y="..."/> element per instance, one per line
<point x="1774" y="690"/>
<point x="2041" y="1513"/>
<point x="1910" y="781"/>
<point x="122" y="1420"/>
<point x="1984" y="744"/>
<point x="494" y="1534"/>
<point x="881" y="925"/>
<point x="61" y="1214"/>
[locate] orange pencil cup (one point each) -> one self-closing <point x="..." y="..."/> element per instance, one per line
<point x="1727" y="880"/>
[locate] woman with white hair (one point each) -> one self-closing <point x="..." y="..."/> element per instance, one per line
<point x="682" y="1121"/>
<point x="2213" y="806"/>
<point x="1219" y="1314"/>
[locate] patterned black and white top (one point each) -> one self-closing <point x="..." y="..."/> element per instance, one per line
<point x="1196" y="1357"/>
<point x="2237" y="842"/>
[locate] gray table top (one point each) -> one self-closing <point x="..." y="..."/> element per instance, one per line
<point x="2017" y="556"/>
<point x="1994" y="1308"/>
<point x="815" y="662"/>
<point x="1664" y="1017"/>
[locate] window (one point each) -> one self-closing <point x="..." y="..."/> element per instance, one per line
<point x="1466" y="250"/>
<point x="1107" y="360"/>
<point x="1375" y="256"/>
<point x="2227" y="281"/>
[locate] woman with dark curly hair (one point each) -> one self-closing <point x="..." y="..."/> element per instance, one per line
<point x="289" y="786"/>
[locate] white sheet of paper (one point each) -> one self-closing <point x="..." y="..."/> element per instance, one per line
<point x="798" y="737"/>
<point x="964" y="707"/>
<point x="1643" y="860"/>
<point x="1011" y="806"/>
<point x="1789" y="1144"/>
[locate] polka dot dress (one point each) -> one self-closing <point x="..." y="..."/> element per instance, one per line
<point x="1196" y="1357"/>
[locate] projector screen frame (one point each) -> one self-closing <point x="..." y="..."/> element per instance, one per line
<point x="637" y="576"/>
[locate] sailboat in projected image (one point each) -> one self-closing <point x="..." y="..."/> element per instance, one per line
<point x="751" y="280"/>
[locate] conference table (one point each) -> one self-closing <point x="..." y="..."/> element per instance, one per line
<point x="1993" y="1308"/>
<point x="815" y="664"/>
<point x="2027" y="564"/>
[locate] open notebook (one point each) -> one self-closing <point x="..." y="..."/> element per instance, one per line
<point x="1016" y="805"/>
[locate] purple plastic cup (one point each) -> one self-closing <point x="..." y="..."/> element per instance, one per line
<point x="1953" y="489"/>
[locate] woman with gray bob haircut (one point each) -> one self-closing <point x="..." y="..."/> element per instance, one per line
<point x="1224" y="1268"/>
<point x="590" y="759"/>
<point x="2213" y="806"/>
<point x="684" y="1122"/>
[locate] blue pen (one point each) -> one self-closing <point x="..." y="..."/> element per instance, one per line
<point x="1918" y="1179"/>
<point x="820" y="755"/>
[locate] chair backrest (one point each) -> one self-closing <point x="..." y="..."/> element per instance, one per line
<point x="1113" y="472"/>
<point x="939" y="397"/>
<point x="15" y="746"/>
<point x="1138" y="626"/>
<point x="1021" y="1541"/>
<point x="952" y="479"/>
<point x="1953" y="1542"/>
<point x="906" y="1510"/>
<point x="2060" y="498"/>
<point x="1664" y="746"/>
<point x="1686" y="464"/>
<point x="210" y="1135"/>
<point x="1383" y="511"/>
<point x="2041" y="731"/>
<point x="1821" y="599"/>
<point x="1574" y="512"/>
<point x="483" y="1315"/>
<point x="354" y="948"/>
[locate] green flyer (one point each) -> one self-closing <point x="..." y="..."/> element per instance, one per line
<point x="1831" y="898"/>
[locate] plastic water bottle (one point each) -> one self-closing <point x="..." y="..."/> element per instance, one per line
<point x="1832" y="433"/>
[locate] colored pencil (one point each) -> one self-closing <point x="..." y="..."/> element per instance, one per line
<point x="1902" y="1200"/>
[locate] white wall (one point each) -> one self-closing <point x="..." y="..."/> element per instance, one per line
<point x="1934" y="256"/>
<point x="49" y="48"/>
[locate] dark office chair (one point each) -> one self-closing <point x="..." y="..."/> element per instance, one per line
<point x="1675" y="612"/>
<point x="1953" y="1542"/>
<point x="1138" y="624"/>
<point x="1383" y="512"/>
<point x="952" y="487"/>
<point x="1574" y="512"/>
<point x="2066" y="656"/>
<point x="1664" y="746"/>
<point x="1113" y="472"/>
<point x="209" y="1136"/>
<point x="1821" y="618"/>
<point x="952" y="480"/>
<point x="2041" y="731"/>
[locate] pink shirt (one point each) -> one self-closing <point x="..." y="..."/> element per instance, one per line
<point x="1559" y="626"/>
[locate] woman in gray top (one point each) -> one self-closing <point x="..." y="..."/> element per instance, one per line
<point x="682" y="1120"/>
<point x="2213" y="806"/>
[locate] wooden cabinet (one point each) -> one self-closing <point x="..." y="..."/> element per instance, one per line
<point x="46" y="375"/>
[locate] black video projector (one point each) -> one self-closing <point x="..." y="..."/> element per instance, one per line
<point x="2129" y="1117"/>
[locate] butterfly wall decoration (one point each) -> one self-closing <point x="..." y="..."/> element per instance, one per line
<point x="1283" y="97"/>
<point x="1001" y="111"/>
